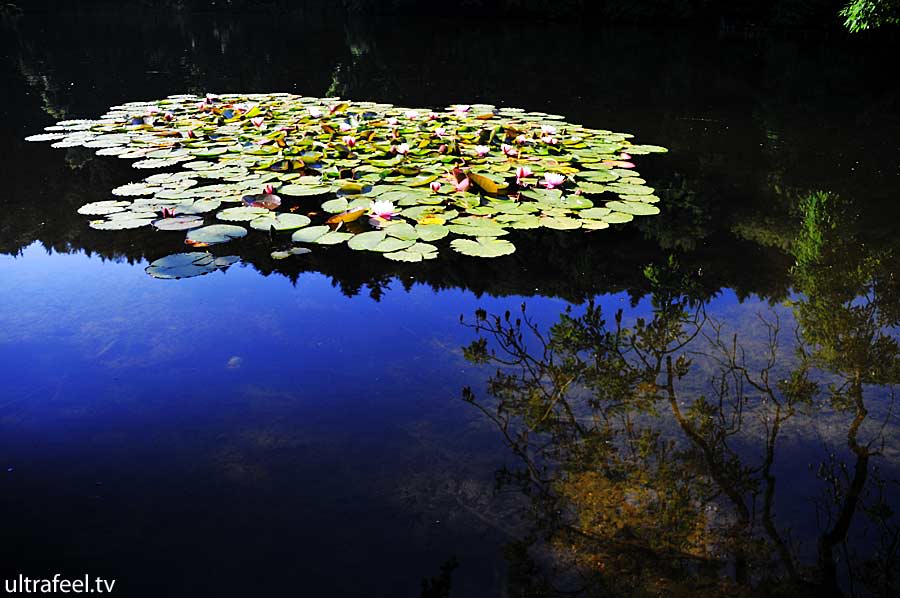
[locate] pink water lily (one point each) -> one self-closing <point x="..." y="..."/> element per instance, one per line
<point x="549" y="140"/>
<point x="508" y="149"/>
<point x="169" y="116"/>
<point x="482" y="150"/>
<point x="268" y="189"/>
<point x="344" y="127"/>
<point x="433" y="116"/>
<point x="553" y="180"/>
<point x="411" y="114"/>
<point x="435" y="186"/>
<point x="402" y="149"/>
<point x="258" y="121"/>
<point x="521" y="139"/>
<point x="624" y="156"/>
<point x="392" y="121"/>
<point x="349" y="140"/>
<point x="382" y="209"/>
<point x="168" y="213"/>
<point x="314" y="112"/>
<point x="440" y="131"/>
<point x="521" y="173"/>
<point x="548" y="130"/>
<point x="463" y="185"/>
<point x="461" y="108"/>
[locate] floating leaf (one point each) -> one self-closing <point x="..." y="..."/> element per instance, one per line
<point x="483" y="247"/>
<point x="304" y="190"/>
<point x="415" y="253"/>
<point x="178" y="223"/>
<point x="120" y="223"/>
<point x="366" y="241"/>
<point x="214" y="234"/>
<point x="310" y="234"/>
<point x="431" y="232"/>
<point x="101" y="208"/>
<point x="280" y="222"/>
<point x="633" y="207"/>
<point x="241" y="213"/>
<point x="186" y="265"/>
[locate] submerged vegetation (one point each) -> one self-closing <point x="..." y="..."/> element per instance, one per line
<point x="374" y="176"/>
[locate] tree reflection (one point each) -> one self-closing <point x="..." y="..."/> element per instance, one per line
<point x="650" y="446"/>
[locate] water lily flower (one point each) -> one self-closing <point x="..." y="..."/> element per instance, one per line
<point x="549" y="140"/>
<point x="624" y="156"/>
<point x="461" y="108"/>
<point x="402" y="149"/>
<point x="553" y="180"/>
<point x="344" y="127"/>
<point x="257" y="122"/>
<point x="268" y="189"/>
<point x="411" y="114"/>
<point x="521" y="173"/>
<point x="314" y="112"/>
<point x="349" y="140"/>
<point x="508" y="149"/>
<point x="169" y="116"/>
<point x="463" y="185"/>
<point x="211" y="97"/>
<point x="392" y="121"/>
<point x="168" y="213"/>
<point x="442" y="149"/>
<point x="521" y="139"/>
<point x="435" y="186"/>
<point x="548" y="130"/>
<point x="383" y="209"/>
<point x="482" y="150"/>
<point x="433" y="116"/>
<point x="440" y="131"/>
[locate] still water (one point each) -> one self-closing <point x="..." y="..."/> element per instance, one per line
<point x="337" y="424"/>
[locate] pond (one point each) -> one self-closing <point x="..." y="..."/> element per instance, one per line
<point x="700" y="400"/>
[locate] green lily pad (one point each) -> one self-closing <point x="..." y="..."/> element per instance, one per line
<point x="120" y="223"/>
<point x="366" y="241"/>
<point x="241" y="213"/>
<point x="310" y="234"/>
<point x="304" y="190"/>
<point x="618" y="218"/>
<point x="102" y="208"/>
<point x="187" y="265"/>
<point x="414" y="253"/>
<point x="279" y="221"/>
<point x="633" y="207"/>
<point x="215" y="233"/>
<point x="178" y="223"/>
<point x="483" y="247"/>
<point x="432" y="232"/>
<point x="392" y="244"/>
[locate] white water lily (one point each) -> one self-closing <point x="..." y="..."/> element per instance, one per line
<point x="383" y="209"/>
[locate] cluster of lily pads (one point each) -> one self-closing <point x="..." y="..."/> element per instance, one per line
<point x="374" y="176"/>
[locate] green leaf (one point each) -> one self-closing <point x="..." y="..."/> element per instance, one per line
<point x="483" y="247"/>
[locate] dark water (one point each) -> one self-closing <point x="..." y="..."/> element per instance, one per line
<point x="314" y="427"/>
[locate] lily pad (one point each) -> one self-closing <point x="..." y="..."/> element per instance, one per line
<point x="414" y="253"/>
<point x="178" y="223"/>
<point x="215" y="234"/>
<point x="309" y="234"/>
<point x="102" y="208"/>
<point x="483" y="247"/>
<point x="241" y="213"/>
<point x="279" y="222"/>
<point x="183" y="265"/>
